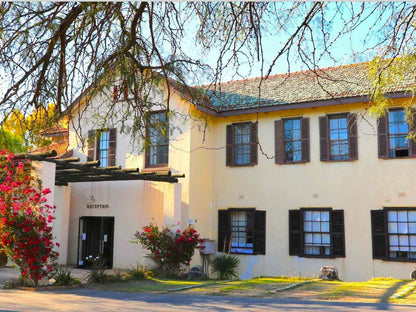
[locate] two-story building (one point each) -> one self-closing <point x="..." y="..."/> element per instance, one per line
<point x="291" y="180"/>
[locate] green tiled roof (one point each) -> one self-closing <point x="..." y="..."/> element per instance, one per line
<point x="298" y="87"/>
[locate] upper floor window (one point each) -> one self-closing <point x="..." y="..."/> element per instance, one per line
<point x="241" y="144"/>
<point x="338" y="136"/>
<point x="292" y="140"/>
<point x="316" y="232"/>
<point x="392" y="136"/>
<point x="102" y="146"/>
<point x="157" y="132"/>
<point x="242" y="231"/>
<point x="397" y="227"/>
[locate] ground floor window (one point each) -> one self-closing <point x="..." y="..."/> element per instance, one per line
<point x="316" y="232"/>
<point x="241" y="231"/>
<point x="394" y="233"/>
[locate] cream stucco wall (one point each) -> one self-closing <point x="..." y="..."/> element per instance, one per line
<point x="357" y="187"/>
<point x="197" y="149"/>
<point x="133" y="204"/>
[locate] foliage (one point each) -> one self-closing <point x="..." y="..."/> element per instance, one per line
<point x="12" y="142"/>
<point x="226" y="266"/>
<point x="63" y="277"/>
<point x="25" y="220"/>
<point x="53" y="51"/>
<point x="97" y="268"/>
<point x="173" y="250"/>
<point x="138" y="272"/>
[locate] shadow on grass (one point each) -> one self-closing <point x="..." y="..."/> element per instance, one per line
<point x="390" y="291"/>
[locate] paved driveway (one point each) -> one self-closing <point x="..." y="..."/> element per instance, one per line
<point x="83" y="299"/>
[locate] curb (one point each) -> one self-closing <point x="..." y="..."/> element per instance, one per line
<point x="293" y="286"/>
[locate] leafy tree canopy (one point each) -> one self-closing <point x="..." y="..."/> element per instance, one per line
<point x="53" y="51"/>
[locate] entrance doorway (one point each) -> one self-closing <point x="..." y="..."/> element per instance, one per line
<point x="96" y="237"/>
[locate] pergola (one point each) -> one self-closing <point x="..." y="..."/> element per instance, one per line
<point x="71" y="170"/>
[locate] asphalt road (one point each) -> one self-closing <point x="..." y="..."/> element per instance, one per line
<point x="83" y="299"/>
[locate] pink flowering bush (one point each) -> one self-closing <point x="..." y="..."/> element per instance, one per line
<point x="25" y="220"/>
<point x="173" y="250"/>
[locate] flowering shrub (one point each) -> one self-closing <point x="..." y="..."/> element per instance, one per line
<point x="172" y="249"/>
<point x="25" y="220"/>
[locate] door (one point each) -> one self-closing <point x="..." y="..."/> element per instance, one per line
<point x="96" y="236"/>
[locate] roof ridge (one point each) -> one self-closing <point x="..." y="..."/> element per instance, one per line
<point x="298" y="72"/>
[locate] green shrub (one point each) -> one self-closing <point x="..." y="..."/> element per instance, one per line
<point x="97" y="272"/>
<point x="226" y="266"/>
<point x="137" y="272"/>
<point x="63" y="277"/>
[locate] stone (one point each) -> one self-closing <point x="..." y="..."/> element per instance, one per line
<point x="329" y="273"/>
<point x="196" y="273"/>
<point x="413" y="274"/>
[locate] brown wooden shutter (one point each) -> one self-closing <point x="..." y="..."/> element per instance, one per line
<point x="223" y="230"/>
<point x="253" y="143"/>
<point x="279" y="144"/>
<point x="378" y="229"/>
<point x="115" y="93"/>
<point x="295" y="232"/>
<point x="229" y="157"/>
<point x="305" y="138"/>
<point x="112" y="147"/>
<point x="412" y="142"/>
<point x="383" y="149"/>
<point x="91" y="145"/>
<point x="323" y="134"/>
<point x="259" y="233"/>
<point x="337" y="233"/>
<point x="352" y="136"/>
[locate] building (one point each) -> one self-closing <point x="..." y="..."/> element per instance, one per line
<point x="299" y="178"/>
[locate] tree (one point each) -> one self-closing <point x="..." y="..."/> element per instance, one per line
<point x="53" y="52"/>
<point x="25" y="220"/>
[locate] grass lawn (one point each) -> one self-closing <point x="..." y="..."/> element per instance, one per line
<point x="374" y="290"/>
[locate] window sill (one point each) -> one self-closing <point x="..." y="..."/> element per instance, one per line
<point x="294" y="162"/>
<point x="397" y="260"/>
<point x="238" y="166"/>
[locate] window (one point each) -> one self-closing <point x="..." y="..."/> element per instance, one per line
<point x="397" y="241"/>
<point x="316" y="233"/>
<point x="338" y="136"/>
<point x="241" y="144"/>
<point x="242" y="231"/>
<point x="292" y="140"/>
<point x="102" y="146"/>
<point x="392" y="136"/>
<point x="157" y="133"/>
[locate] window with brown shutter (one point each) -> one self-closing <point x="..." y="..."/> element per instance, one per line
<point x="292" y="140"/>
<point x="393" y="129"/>
<point x="242" y="231"/>
<point x="338" y="137"/>
<point x="394" y="234"/>
<point x="102" y="146"/>
<point x="241" y="144"/>
<point x="315" y="232"/>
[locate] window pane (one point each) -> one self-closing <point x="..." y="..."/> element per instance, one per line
<point x="402" y="216"/>
<point x="316" y="227"/>
<point x="308" y="215"/>
<point x="308" y="238"/>
<point x="392" y="215"/>
<point x="325" y="227"/>
<point x="402" y="228"/>
<point x="392" y="227"/>
<point x="316" y="215"/>
<point x="308" y="226"/>
<point x="403" y="240"/>
<point x="316" y="238"/>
